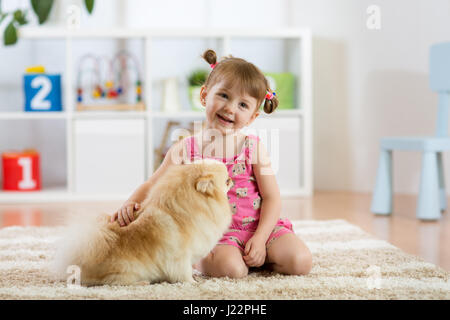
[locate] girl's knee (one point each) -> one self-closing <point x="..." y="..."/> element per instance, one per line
<point x="227" y="267"/>
<point x="237" y="271"/>
<point x="233" y="269"/>
<point x="301" y="263"/>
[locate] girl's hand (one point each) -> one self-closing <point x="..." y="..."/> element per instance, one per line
<point x="125" y="214"/>
<point x="255" y="251"/>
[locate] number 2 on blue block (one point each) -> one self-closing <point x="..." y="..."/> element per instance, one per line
<point x="42" y="92"/>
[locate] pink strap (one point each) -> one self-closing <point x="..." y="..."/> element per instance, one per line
<point x="253" y="144"/>
<point x="191" y="147"/>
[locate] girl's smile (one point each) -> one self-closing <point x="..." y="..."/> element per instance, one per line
<point x="224" y="120"/>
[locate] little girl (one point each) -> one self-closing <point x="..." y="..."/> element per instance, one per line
<point x="257" y="236"/>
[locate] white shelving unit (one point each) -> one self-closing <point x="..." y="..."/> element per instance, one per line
<point x="303" y="114"/>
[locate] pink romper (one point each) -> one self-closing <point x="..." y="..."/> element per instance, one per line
<point x="244" y="197"/>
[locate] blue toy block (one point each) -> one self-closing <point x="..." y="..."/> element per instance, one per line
<point x="42" y="92"/>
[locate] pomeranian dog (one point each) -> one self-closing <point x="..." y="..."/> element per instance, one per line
<point x="180" y="221"/>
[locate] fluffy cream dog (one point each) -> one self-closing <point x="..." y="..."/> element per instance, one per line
<point x="184" y="215"/>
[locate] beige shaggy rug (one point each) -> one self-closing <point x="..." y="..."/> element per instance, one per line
<point x="347" y="264"/>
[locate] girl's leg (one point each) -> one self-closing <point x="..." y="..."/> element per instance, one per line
<point x="289" y="255"/>
<point x="223" y="261"/>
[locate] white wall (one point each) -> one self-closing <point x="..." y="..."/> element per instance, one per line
<point x="367" y="83"/>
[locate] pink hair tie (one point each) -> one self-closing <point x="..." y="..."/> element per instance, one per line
<point x="269" y="95"/>
<point x="213" y="65"/>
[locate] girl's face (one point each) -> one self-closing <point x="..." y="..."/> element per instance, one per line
<point x="228" y="109"/>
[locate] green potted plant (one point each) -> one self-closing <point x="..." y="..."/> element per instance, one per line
<point x="196" y="79"/>
<point x="41" y="8"/>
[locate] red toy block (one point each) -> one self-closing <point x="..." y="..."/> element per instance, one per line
<point x="21" y="171"/>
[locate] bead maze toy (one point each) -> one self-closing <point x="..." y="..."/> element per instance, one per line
<point x="112" y="89"/>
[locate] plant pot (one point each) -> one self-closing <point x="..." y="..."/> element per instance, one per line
<point x="194" y="98"/>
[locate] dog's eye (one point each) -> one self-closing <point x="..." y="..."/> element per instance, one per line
<point x="228" y="181"/>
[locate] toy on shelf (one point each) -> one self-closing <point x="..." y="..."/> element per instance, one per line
<point x="42" y="91"/>
<point x="112" y="90"/>
<point x="21" y="171"/>
<point x="161" y="151"/>
<point x="171" y="100"/>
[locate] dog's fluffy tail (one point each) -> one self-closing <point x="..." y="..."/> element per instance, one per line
<point x="85" y="244"/>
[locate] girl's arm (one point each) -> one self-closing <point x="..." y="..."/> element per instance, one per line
<point x="125" y="214"/>
<point x="255" y="248"/>
<point x="269" y="192"/>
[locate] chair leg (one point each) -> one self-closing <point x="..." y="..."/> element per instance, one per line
<point x="382" y="195"/>
<point x="428" y="206"/>
<point x="442" y="196"/>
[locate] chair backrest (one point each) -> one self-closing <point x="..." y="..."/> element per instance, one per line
<point x="440" y="82"/>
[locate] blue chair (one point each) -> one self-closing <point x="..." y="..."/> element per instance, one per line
<point x="432" y="197"/>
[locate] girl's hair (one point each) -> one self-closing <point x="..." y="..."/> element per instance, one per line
<point x="237" y="71"/>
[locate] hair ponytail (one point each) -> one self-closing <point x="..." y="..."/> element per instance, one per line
<point x="210" y="56"/>
<point x="270" y="104"/>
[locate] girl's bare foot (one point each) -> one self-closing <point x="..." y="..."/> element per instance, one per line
<point x="197" y="267"/>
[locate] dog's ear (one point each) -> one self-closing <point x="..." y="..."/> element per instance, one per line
<point x="205" y="184"/>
